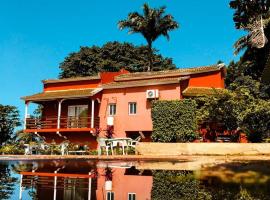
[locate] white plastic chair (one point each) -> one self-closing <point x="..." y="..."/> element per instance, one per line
<point x="63" y="147"/>
<point x="102" y="144"/>
<point x="133" y="143"/>
<point x="123" y="144"/>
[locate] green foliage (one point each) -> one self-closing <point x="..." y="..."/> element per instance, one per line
<point x="244" y="10"/>
<point x="9" y="120"/>
<point x="256" y="121"/>
<point x="224" y="107"/>
<point x="174" y="121"/>
<point x="11" y="149"/>
<point x="112" y="56"/>
<point x="27" y="138"/>
<point x="237" y="109"/>
<point x="175" y="185"/>
<point x="151" y="24"/>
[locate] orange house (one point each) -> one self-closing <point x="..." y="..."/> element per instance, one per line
<point x="74" y="108"/>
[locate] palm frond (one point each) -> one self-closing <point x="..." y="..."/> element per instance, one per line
<point x="241" y="44"/>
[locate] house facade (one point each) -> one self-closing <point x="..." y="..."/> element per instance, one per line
<point x="75" y="108"/>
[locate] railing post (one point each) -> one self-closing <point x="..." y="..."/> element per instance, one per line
<point x="92" y="113"/>
<point x="25" y="114"/>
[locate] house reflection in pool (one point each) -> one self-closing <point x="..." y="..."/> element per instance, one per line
<point x="88" y="180"/>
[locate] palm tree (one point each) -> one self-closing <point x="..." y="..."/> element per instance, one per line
<point x="256" y="38"/>
<point x="152" y="24"/>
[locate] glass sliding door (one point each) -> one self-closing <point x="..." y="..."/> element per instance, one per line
<point x="78" y="116"/>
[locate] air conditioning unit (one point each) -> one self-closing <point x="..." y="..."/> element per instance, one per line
<point x="110" y="121"/>
<point x="152" y="94"/>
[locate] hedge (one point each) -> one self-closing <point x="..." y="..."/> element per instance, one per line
<point x="175" y="185"/>
<point x="174" y="121"/>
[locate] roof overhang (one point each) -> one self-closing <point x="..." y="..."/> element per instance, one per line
<point x="62" y="94"/>
<point x="73" y="79"/>
<point x="169" y="73"/>
<point x="141" y="83"/>
<point x="201" y="91"/>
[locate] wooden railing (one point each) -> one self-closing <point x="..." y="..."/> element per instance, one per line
<point x="65" y="122"/>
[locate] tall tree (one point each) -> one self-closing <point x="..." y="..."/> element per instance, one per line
<point x="112" y="56"/>
<point x="9" y="120"/>
<point x="151" y="24"/>
<point x="253" y="16"/>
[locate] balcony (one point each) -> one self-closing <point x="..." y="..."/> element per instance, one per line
<point x="66" y="124"/>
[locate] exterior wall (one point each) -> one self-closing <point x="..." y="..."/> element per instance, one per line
<point x="107" y="77"/>
<point x="209" y="79"/>
<point x="142" y="120"/>
<point x="71" y="85"/>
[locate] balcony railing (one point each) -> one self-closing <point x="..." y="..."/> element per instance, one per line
<point x="65" y="122"/>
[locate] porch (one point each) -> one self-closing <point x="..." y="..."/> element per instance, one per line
<point x="62" y="111"/>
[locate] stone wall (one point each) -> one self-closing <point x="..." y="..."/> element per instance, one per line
<point x="150" y="148"/>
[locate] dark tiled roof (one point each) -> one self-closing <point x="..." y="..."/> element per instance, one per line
<point x="49" y="95"/>
<point x="200" y="91"/>
<point x="85" y="78"/>
<point x="168" y="73"/>
<point x="137" y="83"/>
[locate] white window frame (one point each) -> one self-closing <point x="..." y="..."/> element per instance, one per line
<point x="111" y="105"/>
<point x="111" y="193"/>
<point x="132" y="198"/>
<point x="130" y="107"/>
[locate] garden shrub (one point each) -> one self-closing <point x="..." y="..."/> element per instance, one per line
<point x="174" y="121"/>
<point x="11" y="149"/>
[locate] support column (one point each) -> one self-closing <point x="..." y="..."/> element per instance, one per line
<point x="92" y="113"/>
<point x="54" y="186"/>
<point x="25" y="114"/>
<point x="59" y="114"/>
<point x="89" y="186"/>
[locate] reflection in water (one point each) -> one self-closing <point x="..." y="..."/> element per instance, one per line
<point x="80" y="180"/>
<point x="7" y="182"/>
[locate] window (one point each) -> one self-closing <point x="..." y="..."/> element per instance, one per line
<point x="110" y="196"/>
<point x="112" y="109"/>
<point x="131" y="196"/>
<point x="132" y="110"/>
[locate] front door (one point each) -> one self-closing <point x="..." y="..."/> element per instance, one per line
<point x="78" y="116"/>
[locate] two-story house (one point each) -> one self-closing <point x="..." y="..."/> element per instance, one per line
<point x="74" y="108"/>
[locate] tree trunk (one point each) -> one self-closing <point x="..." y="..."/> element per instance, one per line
<point x="150" y="56"/>
<point x="266" y="70"/>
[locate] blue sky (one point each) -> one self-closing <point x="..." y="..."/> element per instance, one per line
<point x="36" y="36"/>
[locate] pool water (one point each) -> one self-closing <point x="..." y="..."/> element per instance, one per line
<point x="114" y="180"/>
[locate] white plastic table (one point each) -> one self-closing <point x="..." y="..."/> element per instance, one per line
<point x="111" y="140"/>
